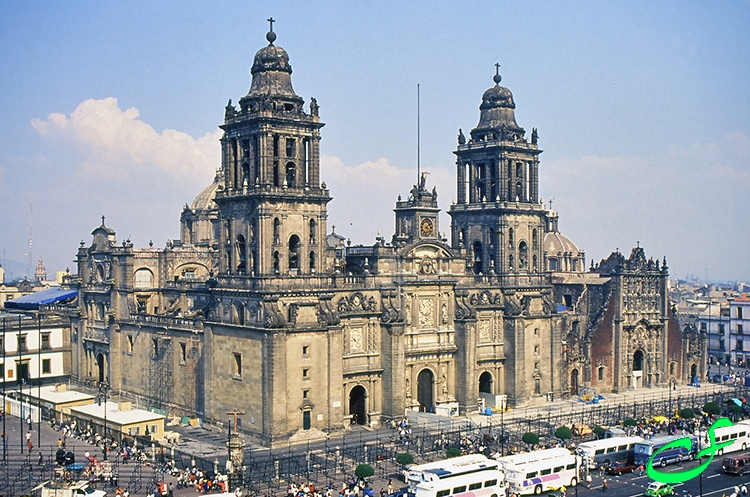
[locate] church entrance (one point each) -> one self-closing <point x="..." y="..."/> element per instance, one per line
<point x="574" y="383"/>
<point x="100" y="366"/>
<point x="485" y="383"/>
<point x="358" y="405"/>
<point x="638" y="369"/>
<point x="425" y="382"/>
<point x="694" y="373"/>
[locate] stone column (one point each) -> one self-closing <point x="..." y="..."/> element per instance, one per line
<point x="394" y="368"/>
<point x="534" y="181"/>
<point x="461" y="181"/>
<point x="467" y="389"/>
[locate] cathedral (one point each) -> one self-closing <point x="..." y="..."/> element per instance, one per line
<point x="260" y="308"/>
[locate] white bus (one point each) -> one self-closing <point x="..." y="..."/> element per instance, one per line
<point x="448" y="468"/>
<point x="740" y="433"/>
<point x="543" y="475"/>
<point x="533" y="456"/>
<point x="608" y="450"/>
<point x="488" y="483"/>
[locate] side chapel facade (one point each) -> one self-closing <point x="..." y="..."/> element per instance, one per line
<point x="258" y="307"/>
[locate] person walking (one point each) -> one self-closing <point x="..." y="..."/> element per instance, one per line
<point x="604" y="484"/>
<point x="41" y="459"/>
<point x="588" y="480"/>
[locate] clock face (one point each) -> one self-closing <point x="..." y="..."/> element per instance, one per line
<point x="426" y="227"/>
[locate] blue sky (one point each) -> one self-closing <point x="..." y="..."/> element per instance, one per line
<point x="643" y="112"/>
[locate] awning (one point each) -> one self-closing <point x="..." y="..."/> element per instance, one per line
<point x="736" y="401"/>
<point x="32" y="301"/>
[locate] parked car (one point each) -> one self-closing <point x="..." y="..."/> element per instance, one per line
<point x="659" y="489"/>
<point x="620" y="467"/>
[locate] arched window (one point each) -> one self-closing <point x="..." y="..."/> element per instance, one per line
<point x="511" y="239"/>
<point x="523" y="255"/>
<point x="477" y="257"/>
<point x="553" y="264"/>
<point x="313" y="229"/>
<point x="294" y="247"/>
<point x="276" y="259"/>
<point x="534" y="241"/>
<point x="241" y="254"/>
<point x="312" y="262"/>
<point x="485" y="383"/>
<point x="276" y="174"/>
<point x="291" y="174"/>
<point x="534" y="266"/>
<point x="143" y="279"/>
<point x="276" y="230"/>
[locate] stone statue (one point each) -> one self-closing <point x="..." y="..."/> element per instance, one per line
<point x="229" y="111"/>
<point x="461" y="137"/>
<point x="313" y="106"/>
<point x="534" y="136"/>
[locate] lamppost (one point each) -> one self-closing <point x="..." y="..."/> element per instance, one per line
<point x="101" y="397"/>
<point x="5" y="443"/>
<point x="672" y="386"/>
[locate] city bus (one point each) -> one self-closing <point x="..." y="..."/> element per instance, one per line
<point x="533" y="456"/>
<point x="448" y="468"/>
<point x="740" y="433"/>
<point x="608" y="450"/>
<point x="543" y="475"/>
<point x="487" y="483"/>
<point x="644" y="450"/>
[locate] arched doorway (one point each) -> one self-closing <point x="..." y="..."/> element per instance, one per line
<point x="485" y="383"/>
<point x="425" y="382"/>
<point x="574" y="383"/>
<point x="694" y="373"/>
<point x="638" y="369"/>
<point x="100" y="366"/>
<point x="358" y="405"/>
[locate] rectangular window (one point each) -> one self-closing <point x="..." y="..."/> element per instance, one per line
<point x="237" y="373"/>
<point x="475" y="486"/>
<point x="622" y="447"/>
<point x="130" y="344"/>
<point x="532" y="474"/>
<point x="443" y="493"/>
<point x="46" y="366"/>
<point x="558" y="469"/>
<point x="2" y="344"/>
<point x="599" y="452"/>
<point x="305" y="393"/>
<point x="703" y="327"/>
<point x="739" y="313"/>
<point x="739" y="329"/>
<point x="740" y="345"/>
<point x="22" y="343"/>
<point x="45" y="341"/>
<point x="305" y="348"/>
<point x="183" y="353"/>
<point x="571" y="466"/>
<point x="490" y="483"/>
<point x="610" y="450"/>
<point x="536" y="349"/>
<point x="306" y="373"/>
<point x="458" y="490"/>
<point x="601" y="373"/>
<point x="721" y="328"/>
<point x="546" y="471"/>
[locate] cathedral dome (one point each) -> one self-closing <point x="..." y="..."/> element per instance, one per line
<point x="271" y="72"/>
<point x="205" y="199"/>
<point x="557" y="243"/>
<point x="497" y="119"/>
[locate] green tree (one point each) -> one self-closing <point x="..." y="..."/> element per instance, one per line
<point x="405" y="459"/>
<point x="734" y="409"/>
<point x="630" y="422"/>
<point x="364" y="471"/>
<point x="712" y="408"/>
<point x="453" y="452"/>
<point x="563" y="433"/>
<point x="599" y="431"/>
<point x="531" y="439"/>
<point x="687" y="413"/>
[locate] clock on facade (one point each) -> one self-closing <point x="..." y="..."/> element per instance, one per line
<point x="426" y="227"/>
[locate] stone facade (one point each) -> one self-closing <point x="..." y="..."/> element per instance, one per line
<point x="259" y="308"/>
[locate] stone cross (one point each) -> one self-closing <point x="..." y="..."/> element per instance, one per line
<point x="497" y="68"/>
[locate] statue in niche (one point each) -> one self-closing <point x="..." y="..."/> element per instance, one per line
<point x="408" y="388"/>
<point x="444" y="313"/>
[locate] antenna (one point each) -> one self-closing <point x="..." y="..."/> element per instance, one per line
<point x="418" y="164"/>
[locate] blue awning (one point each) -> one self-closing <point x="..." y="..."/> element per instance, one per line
<point x="32" y="301"/>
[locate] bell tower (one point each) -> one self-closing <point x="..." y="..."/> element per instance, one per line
<point x="498" y="219"/>
<point x="272" y="205"/>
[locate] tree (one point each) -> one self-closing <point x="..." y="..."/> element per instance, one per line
<point x="599" y="431"/>
<point x="530" y="438"/>
<point x="563" y="433"/>
<point x="453" y="452"/>
<point x="734" y="409"/>
<point x="364" y="471"/>
<point x="687" y="413"/>
<point x="630" y="422"/>
<point x="712" y="408"/>
<point x="405" y="459"/>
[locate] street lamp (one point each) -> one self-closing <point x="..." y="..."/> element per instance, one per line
<point x="672" y="386"/>
<point x="101" y="397"/>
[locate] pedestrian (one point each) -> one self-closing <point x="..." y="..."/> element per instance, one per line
<point x="640" y="469"/>
<point x="28" y="420"/>
<point x="41" y="459"/>
<point x="390" y="486"/>
<point x="604" y="484"/>
<point x="171" y="489"/>
<point x="588" y="480"/>
<point x="743" y="489"/>
<point x="601" y="469"/>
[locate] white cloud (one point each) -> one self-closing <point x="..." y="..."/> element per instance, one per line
<point x="116" y="145"/>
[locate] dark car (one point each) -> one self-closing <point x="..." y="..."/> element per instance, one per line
<point x="620" y="467"/>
